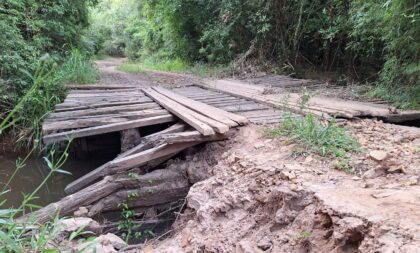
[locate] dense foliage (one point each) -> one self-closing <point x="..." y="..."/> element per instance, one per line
<point x="42" y="47"/>
<point x="367" y="41"/>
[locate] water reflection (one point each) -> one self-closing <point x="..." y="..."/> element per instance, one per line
<point x="30" y="176"/>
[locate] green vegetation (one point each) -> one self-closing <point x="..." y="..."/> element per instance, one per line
<point x="314" y="136"/>
<point x="371" y="41"/>
<point x="42" y="49"/>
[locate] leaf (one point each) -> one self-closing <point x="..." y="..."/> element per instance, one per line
<point x="9" y="242"/>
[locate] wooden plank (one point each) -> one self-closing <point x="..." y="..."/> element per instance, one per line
<point x="84" y="106"/>
<point x="122" y="164"/>
<point x="129" y="115"/>
<point x="100" y="86"/>
<point x="104" y="110"/>
<point x="191" y="136"/>
<point x="180" y="111"/>
<point x="147" y="142"/>
<point x="107" y="128"/>
<point x="218" y="126"/>
<point x="209" y="111"/>
<point x="97" y="121"/>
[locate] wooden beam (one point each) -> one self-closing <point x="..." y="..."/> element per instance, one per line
<point x="227" y="118"/>
<point x="180" y="111"/>
<point x="107" y="128"/>
<point x="191" y="136"/>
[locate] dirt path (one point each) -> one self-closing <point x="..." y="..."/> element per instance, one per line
<point x="259" y="198"/>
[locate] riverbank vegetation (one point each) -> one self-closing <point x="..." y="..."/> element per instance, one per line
<point x="42" y="48"/>
<point x="373" y="42"/>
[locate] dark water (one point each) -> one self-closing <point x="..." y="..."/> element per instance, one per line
<point x="30" y="176"/>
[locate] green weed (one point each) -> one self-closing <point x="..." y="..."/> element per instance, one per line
<point x="152" y="63"/>
<point x="316" y="137"/>
<point x="78" y="68"/>
<point x="404" y="97"/>
<point x="27" y="234"/>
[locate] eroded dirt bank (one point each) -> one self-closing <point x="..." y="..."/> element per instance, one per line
<point x="260" y="199"/>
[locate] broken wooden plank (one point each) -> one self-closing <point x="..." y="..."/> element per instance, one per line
<point x="107" y="128"/>
<point x="98" y="121"/>
<point x="191" y="136"/>
<point x="218" y="126"/>
<point x="146" y="142"/>
<point x="209" y="111"/>
<point x="180" y="111"/>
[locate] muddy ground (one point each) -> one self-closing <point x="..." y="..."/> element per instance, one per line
<point x="259" y="198"/>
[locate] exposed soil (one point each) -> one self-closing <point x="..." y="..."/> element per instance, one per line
<point x="258" y="198"/>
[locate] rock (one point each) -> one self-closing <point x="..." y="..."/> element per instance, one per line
<point x="412" y="181"/>
<point x="259" y="146"/>
<point x="112" y="239"/>
<point x="81" y="212"/>
<point x="185" y="237"/>
<point x="148" y="249"/>
<point x="384" y="194"/>
<point x="74" y="224"/>
<point x="265" y="244"/>
<point x="373" y="173"/>
<point x="285" y="175"/>
<point x="247" y="247"/>
<point x="293" y="187"/>
<point x="394" y="170"/>
<point x="378" y="155"/>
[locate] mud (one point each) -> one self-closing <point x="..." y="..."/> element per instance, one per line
<point x="260" y="199"/>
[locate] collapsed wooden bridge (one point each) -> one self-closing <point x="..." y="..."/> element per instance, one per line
<point x="96" y="110"/>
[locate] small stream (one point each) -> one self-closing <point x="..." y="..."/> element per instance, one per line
<point x="30" y="176"/>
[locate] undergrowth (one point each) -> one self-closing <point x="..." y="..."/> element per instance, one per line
<point x="404" y="97"/>
<point x="176" y="65"/>
<point x="316" y="137"/>
<point x="24" y="109"/>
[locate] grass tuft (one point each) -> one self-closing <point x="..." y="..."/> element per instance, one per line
<point x="316" y="137"/>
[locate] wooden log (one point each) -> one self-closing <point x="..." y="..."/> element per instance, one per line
<point x="227" y="118"/>
<point x="180" y="111"/>
<point x="171" y="185"/>
<point x="146" y="142"/>
<point x="107" y="128"/>
<point x="100" y="190"/>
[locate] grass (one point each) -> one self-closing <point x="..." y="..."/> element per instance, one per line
<point x="316" y="137"/>
<point x="172" y="65"/>
<point x="404" y="97"/>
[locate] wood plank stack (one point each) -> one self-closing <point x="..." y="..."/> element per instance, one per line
<point x="322" y="106"/>
<point x="94" y="110"/>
